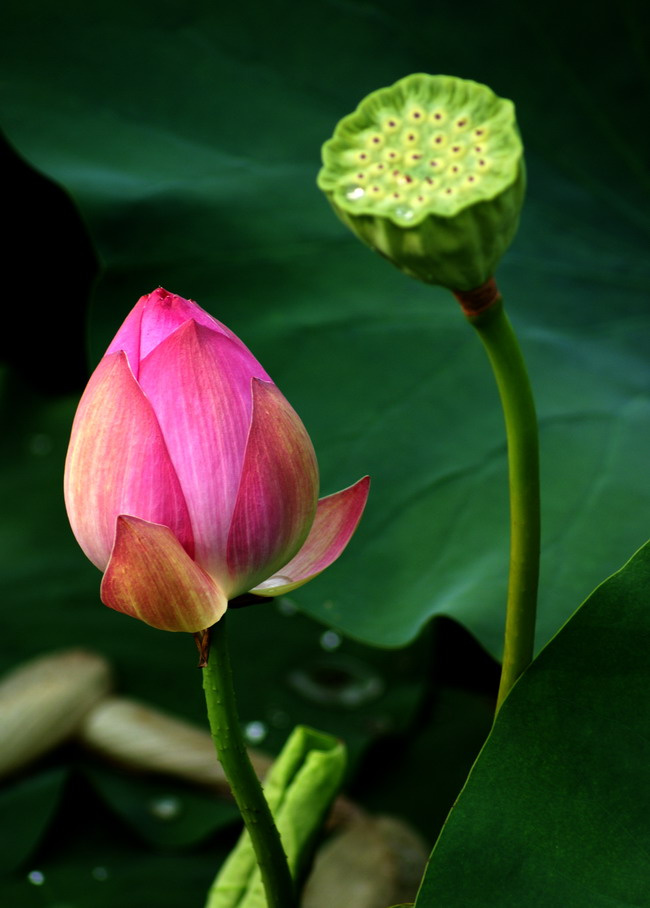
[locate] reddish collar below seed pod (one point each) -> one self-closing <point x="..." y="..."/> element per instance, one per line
<point x="476" y="301"/>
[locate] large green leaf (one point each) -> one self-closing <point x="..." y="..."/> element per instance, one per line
<point x="26" y="809"/>
<point x="555" y="811"/>
<point x="188" y="137"/>
<point x="163" y="812"/>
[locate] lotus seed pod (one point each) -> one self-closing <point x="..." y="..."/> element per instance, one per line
<point x="43" y="701"/>
<point x="430" y="174"/>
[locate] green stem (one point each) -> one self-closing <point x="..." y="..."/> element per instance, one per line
<point x="500" y="342"/>
<point x="246" y="788"/>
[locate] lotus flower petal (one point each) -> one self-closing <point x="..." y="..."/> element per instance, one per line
<point x="118" y="463"/>
<point x="156" y="316"/>
<point x="190" y="479"/>
<point x="198" y="383"/>
<point x="151" y="577"/>
<point x="278" y="493"/>
<point x="336" y="520"/>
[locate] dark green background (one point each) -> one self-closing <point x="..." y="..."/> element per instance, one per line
<point x="186" y="139"/>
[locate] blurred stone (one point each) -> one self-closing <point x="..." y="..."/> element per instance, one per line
<point x="43" y="701"/>
<point x="372" y="863"/>
<point x="143" y="738"/>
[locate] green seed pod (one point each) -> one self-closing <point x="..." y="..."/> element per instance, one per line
<point x="430" y="174"/>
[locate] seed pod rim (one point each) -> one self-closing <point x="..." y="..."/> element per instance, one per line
<point x="496" y="113"/>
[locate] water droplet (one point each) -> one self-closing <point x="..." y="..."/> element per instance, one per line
<point x="355" y="193"/>
<point x="40" y="445"/>
<point x="36" y="878"/>
<point x="165" y="808"/>
<point x="256" y="731"/>
<point x="402" y="211"/>
<point x="337" y="681"/>
<point x="273" y="582"/>
<point x="99" y="873"/>
<point x="278" y="718"/>
<point x="286" y="607"/>
<point x="330" y="641"/>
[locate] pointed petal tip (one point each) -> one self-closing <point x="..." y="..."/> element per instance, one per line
<point x="337" y="518"/>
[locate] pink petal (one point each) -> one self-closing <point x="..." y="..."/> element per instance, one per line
<point x="336" y="520"/>
<point x="151" y="577"/>
<point x="277" y="496"/>
<point x="156" y="316"/>
<point x="118" y="463"/>
<point x="199" y="384"/>
<point x="127" y="338"/>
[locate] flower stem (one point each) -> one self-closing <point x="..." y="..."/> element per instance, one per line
<point x="245" y="786"/>
<point x="504" y="353"/>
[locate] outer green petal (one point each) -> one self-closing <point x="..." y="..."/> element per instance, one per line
<point x="151" y="577"/>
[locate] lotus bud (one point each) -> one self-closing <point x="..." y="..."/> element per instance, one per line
<point x="430" y="174"/>
<point x="43" y="701"/>
<point x="190" y="479"/>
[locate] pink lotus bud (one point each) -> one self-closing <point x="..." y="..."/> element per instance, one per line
<point x="190" y="479"/>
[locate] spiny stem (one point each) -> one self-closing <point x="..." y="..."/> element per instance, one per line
<point x="247" y="791"/>
<point x="504" y="353"/>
